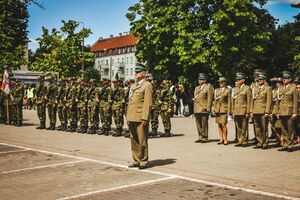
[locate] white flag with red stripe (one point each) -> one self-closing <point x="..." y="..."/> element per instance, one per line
<point x="5" y="82"/>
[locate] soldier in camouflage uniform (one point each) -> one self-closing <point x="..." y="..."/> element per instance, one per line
<point x="71" y="105"/>
<point x="41" y="102"/>
<point x="16" y="104"/>
<point x="118" y="101"/>
<point x="61" y="108"/>
<point x="93" y="107"/>
<point x="82" y="99"/>
<point x="51" y="102"/>
<point x="166" y="108"/>
<point x="155" y="108"/>
<point x="104" y="97"/>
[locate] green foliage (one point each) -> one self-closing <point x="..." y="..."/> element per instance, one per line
<point x="61" y="50"/>
<point x="13" y="32"/>
<point x="91" y="73"/>
<point x="186" y="37"/>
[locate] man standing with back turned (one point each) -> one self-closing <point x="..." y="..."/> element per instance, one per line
<point x="138" y="112"/>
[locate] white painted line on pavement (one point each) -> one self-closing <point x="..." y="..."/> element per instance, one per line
<point x="42" y="166"/>
<point x="15" y="151"/>
<point x="117" y="188"/>
<point x="163" y="174"/>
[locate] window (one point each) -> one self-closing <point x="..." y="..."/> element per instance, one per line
<point x="122" y="60"/>
<point x="131" y="60"/>
<point x="126" y="72"/>
<point x="127" y="60"/>
<point x="118" y="60"/>
<point x="112" y="62"/>
<point x="106" y="61"/>
<point x="131" y="71"/>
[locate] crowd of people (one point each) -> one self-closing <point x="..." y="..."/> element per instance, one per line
<point x="90" y="107"/>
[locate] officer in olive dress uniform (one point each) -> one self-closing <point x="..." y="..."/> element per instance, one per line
<point x="222" y="108"/>
<point x="297" y="82"/>
<point x="118" y="101"/>
<point x="203" y="95"/>
<point x="166" y="108"/>
<point x="138" y="113"/>
<point x="241" y="97"/>
<point x="41" y="102"/>
<point x="275" y="121"/>
<point x="261" y="103"/>
<point x="51" y="97"/>
<point x="288" y="109"/>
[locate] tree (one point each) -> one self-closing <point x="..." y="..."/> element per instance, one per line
<point x="91" y="73"/>
<point x="61" y="50"/>
<point x="186" y="37"/>
<point x="296" y="64"/>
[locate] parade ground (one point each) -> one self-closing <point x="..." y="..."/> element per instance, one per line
<point x="42" y="164"/>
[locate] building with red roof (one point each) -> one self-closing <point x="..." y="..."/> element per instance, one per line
<point x="115" y="56"/>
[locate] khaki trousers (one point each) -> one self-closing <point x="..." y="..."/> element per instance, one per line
<point x="241" y="124"/>
<point x="261" y="129"/>
<point x="139" y="142"/>
<point x="202" y="125"/>
<point x="288" y="131"/>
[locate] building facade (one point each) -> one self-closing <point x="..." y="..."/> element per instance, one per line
<point x="115" y="57"/>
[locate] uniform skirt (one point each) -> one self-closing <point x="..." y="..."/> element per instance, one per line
<point x="221" y="118"/>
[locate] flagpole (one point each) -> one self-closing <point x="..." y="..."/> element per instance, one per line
<point x="7" y="110"/>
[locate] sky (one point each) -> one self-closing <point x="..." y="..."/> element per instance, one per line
<point x="107" y="17"/>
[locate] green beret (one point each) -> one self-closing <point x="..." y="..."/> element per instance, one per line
<point x="222" y="79"/>
<point x="286" y="74"/>
<point x="202" y="76"/>
<point x="141" y="68"/>
<point x="297" y="80"/>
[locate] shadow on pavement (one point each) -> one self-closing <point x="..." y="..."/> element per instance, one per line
<point x="161" y="162"/>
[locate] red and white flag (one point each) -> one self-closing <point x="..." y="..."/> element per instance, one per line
<point x="5" y="83"/>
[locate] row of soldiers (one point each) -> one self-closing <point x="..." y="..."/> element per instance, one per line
<point x="258" y="102"/>
<point x="78" y="105"/>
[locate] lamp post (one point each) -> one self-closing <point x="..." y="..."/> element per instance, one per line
<point x="82" y="51"/>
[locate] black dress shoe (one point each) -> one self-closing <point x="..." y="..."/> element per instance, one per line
<point x="282" y="149"/>
<point x="244" y="145"/>
<point x="143" y="167"/>
<point x="264" y="147"/>
<point x="238" y="145"/>
<point x="289" y="150"/>
<point x="204" y="141"/>
<point x="257" y="147"/>
<point x="133" y="165"/>
<point x="221" y="142"/>
<point x="198" y="141"/>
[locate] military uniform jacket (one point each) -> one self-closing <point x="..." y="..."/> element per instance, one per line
<point x="71" y="95"/>
<point x="104" y="95"/>
<point x="18" y="94"/>
<point x="51" y="94"/>
<point x="155" y="98"/>
<point x="166" y="99"/>
<point x="61" y="92"/>
<point x="276" y="93"/>
<point x="261" y="101"/>
<point x="203" y="98"/>
<point x="82" y="96"/>
<point x="289" y="101"/>
<point x="118" y="98"/>
<point x="241" y="98"/>
<point x="92" y="96"/>
<point x="40" y="94"/>
<point x="222" y="100"/>
<point x="298" y="104"/>
<point x="140" y="102"/>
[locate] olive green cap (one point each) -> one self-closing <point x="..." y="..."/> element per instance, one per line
<point x="141" y="68"/>
<point x="261" y="77"/>
<point x="286" y="74"/>
<point x="202" y="76"/>
<point x="239" y="76"/>
<point x="222" y="79"/>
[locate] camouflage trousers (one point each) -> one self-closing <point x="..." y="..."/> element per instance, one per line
<point x="62" y="114"/>
<point x="154" y="118"/>
<point x="52" y="108"/>
<point x="105" y="115"/>
<point x="72" y="114"/>
<point x="83" y="115"/>
<point x="118" y="115"/>
<point x="41" y="112"/>
<point x="93" y="114"/>
<point x="166" y="119"/>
